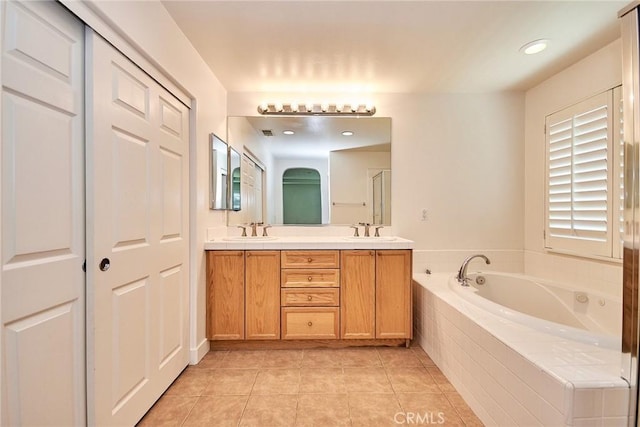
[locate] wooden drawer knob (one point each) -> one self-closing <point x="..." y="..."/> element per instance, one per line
<point x="309" y="259"/>
<point x="310" y="324"/>
<point x="309" y="278"/>
<point x="309" y="297"/>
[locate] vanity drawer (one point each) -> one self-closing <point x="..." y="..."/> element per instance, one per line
<point x="317" y="297"/>
<point x="310" y="259"/>
<point x="312" y="278"/>
<point x="310" y="323"/>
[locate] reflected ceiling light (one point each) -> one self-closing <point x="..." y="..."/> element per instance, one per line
<point x="288" y="132"/>
<point x="535" y="46"/>
<point x="347" y="133"/>
<point x="311" y="109"/>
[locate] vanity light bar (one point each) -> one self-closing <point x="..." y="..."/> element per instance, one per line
<point x="291" y="109"/>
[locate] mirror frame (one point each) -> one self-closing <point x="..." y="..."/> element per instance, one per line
<point x="234" y="194"/>
<point x="216" y="201"/>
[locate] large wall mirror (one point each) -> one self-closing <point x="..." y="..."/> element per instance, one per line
<point x="313" y="170"/>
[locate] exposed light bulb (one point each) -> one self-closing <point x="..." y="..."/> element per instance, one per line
<point x="294" y="107"/>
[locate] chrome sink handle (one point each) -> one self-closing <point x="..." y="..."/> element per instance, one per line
<point x="244" y="230"/>
<point x="264" y="230"/>
<point x="355" y="231"/>
<point x="377" y="234"/>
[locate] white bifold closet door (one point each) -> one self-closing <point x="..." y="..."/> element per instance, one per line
<point x="43" y="216"/>
<point x="137" y="237"/>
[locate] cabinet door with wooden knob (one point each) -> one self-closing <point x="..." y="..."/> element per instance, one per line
<point x="393" y="294"/>
<point x="262" y="301"/>
<point x="225" y="295"/>
<point x="357" y="283"/>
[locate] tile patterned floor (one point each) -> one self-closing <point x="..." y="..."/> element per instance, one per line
<point x="321" y="387"/>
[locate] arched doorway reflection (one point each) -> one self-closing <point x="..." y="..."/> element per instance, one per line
<point x="301" y="197"/>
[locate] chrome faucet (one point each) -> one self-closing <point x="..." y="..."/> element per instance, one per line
<point x="254" y="228"/>
<point x="366" y="228"/>
<point x="462" y="273"/>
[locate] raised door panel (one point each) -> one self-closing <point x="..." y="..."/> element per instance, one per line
<point x="262" y="300"/>
<point x="225" y="295"/>
<point x="357" y="310"/>
<point x="43" y="215"/>
<point x="393" y="294"/>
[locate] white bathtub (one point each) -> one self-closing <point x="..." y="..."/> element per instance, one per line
<point x="577" y="315"/>
<point x="523" y="351"/>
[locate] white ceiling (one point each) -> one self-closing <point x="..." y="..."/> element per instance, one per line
<point x="391" y="46"/>
<point x="316" y="136"/>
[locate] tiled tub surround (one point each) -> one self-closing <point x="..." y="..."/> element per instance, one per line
<point x="512" y="374"/>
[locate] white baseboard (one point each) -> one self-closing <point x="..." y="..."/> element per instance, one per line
<point x="196" y="354"/>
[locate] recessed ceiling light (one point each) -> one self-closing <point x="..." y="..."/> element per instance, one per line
<point x="535" y="46"/>
<point x="288" y="132"/>
<point x="347" y="133"/>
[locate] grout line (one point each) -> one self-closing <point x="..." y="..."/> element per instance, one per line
<point x="190" y="410"/>
<point x="297" y="365"/>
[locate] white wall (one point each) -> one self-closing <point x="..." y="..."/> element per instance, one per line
<point x="594" y="74"/>
<point x="350" y="183"/>
<point x="147" y="26"/>
<point x="461" y="157"/>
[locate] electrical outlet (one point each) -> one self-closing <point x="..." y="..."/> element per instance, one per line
<point x="424" y="216"/>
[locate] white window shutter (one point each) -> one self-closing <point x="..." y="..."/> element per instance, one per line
<point x="579" y="178"/>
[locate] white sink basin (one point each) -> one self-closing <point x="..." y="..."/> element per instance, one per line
<point x="249" y="238"/>
<point x="370" y="239"/>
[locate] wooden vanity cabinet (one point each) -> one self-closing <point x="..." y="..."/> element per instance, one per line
<point x="316" y="294"/>
<point x="243" y="295"/>
<point x="225" y="295"/>
<point x="358" y="287"/>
